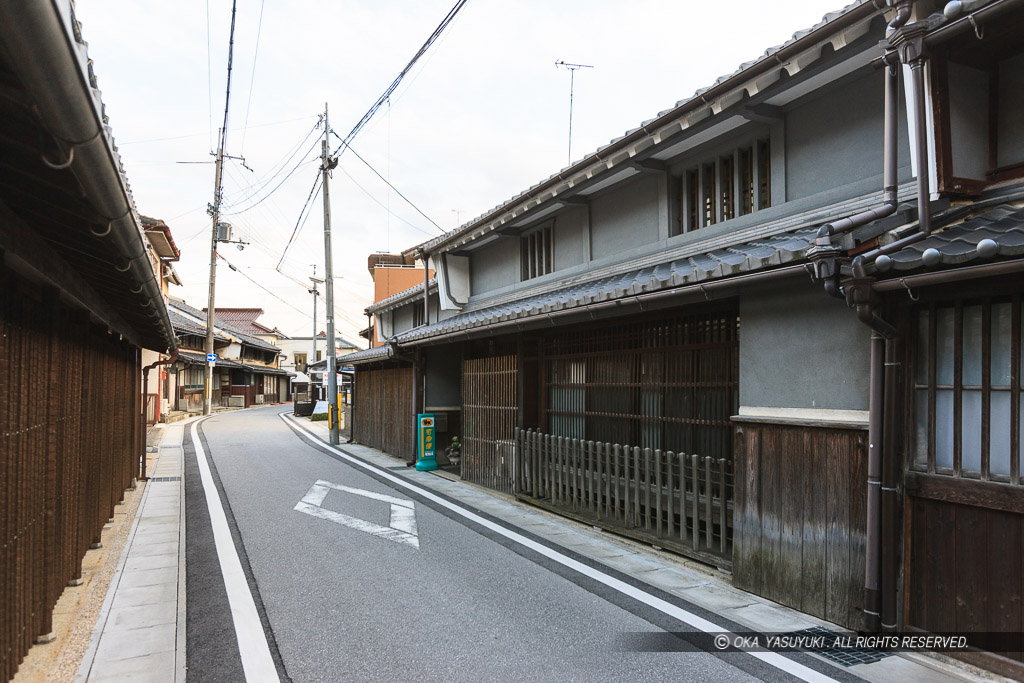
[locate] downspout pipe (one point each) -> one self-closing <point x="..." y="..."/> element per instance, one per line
<point x="145" y="394"/>
<point x="883" y="333"/>
<point x="889" y="155"/>
<point x="910" y="43"/>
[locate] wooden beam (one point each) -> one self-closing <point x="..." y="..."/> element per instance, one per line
<point x="25" y="252"/>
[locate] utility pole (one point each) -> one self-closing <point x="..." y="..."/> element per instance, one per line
<point x="572" y="84"/>
<point x="214" y="211"/>
<point x="326" y="165"/>
<point x="315" y="292"/>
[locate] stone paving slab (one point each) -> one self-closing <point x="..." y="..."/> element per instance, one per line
<point x="140" y="632"/>
<point x="128" y="618"/>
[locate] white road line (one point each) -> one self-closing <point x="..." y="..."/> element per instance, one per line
<point x="252" y="641"/>
<point x="402" y="527"/>
<point x="774" y="659"/>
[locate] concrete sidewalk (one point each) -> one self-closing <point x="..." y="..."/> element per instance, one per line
<point x="140" y="633"/>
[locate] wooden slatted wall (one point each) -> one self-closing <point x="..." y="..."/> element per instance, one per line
<point x="70" y="444"/>
<point x="382" y="410"/>
<point x="489" y="416"/>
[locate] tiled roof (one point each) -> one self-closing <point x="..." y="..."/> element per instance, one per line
<point x="377" y="353"/>
<point x="200" y="359"/>
<point x="764" y="245"/>
<point x="197" y="314"/>
<point x="958" y="244"/>
<point x="680" y="115"/>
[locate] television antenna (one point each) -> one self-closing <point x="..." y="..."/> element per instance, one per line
<point x="573" y="68"/>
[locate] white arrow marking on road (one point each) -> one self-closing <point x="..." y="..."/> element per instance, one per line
<point x="403" y="513"/>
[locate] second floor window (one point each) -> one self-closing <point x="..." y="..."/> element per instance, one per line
<point x="730" y="185"/>
<point x="536" y="253"/>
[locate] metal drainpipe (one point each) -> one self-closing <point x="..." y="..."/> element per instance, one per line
<point x="910" y="43"/>
<point x="425" y="255"/>
<point x="145" y="394"/>
<point x="824" y="255"/>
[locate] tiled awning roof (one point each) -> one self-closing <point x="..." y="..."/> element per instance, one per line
<point x="376" y="354"/>
<point x="958" y="244"/>
<point x="200" y="359"/>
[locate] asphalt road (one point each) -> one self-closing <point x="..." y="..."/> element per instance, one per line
<point x="346" y="589"/>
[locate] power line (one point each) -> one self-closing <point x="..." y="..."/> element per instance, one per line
<point x="407" y="200"/>
<point x="391" y="88"/>
<point x="262" y="199"/>
<point x="381" y="204"/>
<point x="252" y="78"/>
<point x="301" y="221"/>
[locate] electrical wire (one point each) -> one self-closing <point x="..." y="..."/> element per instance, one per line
<point x="304" y="162"/>
<point x="381" y="204"/>
<point x="301" y="221"/>
<point x="407" y="200"/>
<point x="252" y="78"/>
<point x="391" y="88"/>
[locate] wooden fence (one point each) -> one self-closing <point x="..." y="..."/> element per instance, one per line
<point x="676" y="500"/>
<point x="70" y="444"/>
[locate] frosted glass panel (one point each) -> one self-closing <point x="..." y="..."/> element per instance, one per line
<point x="922" y="347"/>
<point x="1002" y="322"/>
<point x="999" y="439"/>
<point x="944" y="346"/>
<point x="921" y="427"/>
<point x="944" y="428"/>
<point x="970" y="434"/>
<point x="972" y="345"/>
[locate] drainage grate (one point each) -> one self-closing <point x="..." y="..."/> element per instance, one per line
<point x="845" y="656"/>
<point x="165" y="478"/>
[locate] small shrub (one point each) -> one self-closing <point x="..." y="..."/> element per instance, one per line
<point x="318" y="417"/>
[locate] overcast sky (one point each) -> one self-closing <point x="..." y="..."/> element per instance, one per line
<point x="482" y="116"/>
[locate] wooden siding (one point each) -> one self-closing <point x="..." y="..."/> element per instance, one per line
<point x="965" y="572"/>
<point x="382" y="407"/>
<point x="70" y="444"/>
<point x="800" y="505"/>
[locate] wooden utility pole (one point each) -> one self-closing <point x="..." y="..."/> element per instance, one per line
<point x="214" y="211"/>
<point x="326" y="165"/>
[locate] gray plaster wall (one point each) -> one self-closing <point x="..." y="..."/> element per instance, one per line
<point x="625" y="218"/>
<point x="493" y="266"/>
<point x="570" y="238"/>
<point x="818" y="159"/>
<point x="800" y="348"/>
<point x="444" y="376"/>
<point x="968" y="120"/>
<point x="403" y="318"/>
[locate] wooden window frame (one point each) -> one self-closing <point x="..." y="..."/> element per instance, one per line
<point x="727" y="186"/>
<point x="537" y="252"/>
<point x="986" y="388"/>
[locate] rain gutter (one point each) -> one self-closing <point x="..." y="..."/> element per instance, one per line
<point x="52" y="68"/>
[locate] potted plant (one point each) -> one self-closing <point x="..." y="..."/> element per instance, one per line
<point x="454" y="450"/>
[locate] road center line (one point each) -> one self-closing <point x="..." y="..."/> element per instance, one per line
<point x="774" y="659"/>
<point x="252" y="641"/>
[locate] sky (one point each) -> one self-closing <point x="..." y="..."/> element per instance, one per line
<point x="482" y="116"/>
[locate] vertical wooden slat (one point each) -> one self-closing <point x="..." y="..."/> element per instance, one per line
<point x="986" y="387"/>
<point x="657" y="497"/>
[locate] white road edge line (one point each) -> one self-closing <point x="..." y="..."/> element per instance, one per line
<point x="774" y="659"/>
<point x="257" y="663"/>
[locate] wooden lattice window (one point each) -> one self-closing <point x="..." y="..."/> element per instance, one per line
<point x="667" y="383"/>
<point x="731" y="185"/>
<point x="967" y="389"/>
<point x="536" y="253"/>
